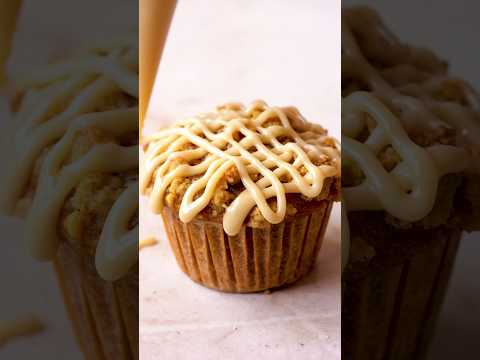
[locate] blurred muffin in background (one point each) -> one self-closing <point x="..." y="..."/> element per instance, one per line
<point x="410" y="187"/>
<point x="72" y="173"/>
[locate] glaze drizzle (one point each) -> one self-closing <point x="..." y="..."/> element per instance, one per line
<point x="239" y="137"/>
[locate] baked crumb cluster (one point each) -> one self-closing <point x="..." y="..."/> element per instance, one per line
<point x="230" y="186"/>
<point x="418" y="76"/>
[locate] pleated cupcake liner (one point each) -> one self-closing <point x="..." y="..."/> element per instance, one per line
<point x="256" y="259"/>
<point x="104" y="315"/>
<point x="391" y="312"/>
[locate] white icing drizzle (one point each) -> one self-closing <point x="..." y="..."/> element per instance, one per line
<point x="59" y="102"/>
<point x="258" y="152"/>
<point x="408" y="191"/>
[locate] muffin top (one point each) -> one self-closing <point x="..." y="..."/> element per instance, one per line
<point x="240" y="163"/>
<point x="409" y="129"/>
<point x="73" y="161"/>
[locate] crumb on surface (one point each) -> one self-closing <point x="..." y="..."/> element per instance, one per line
<point x="26" y="325"/>
<point x="147" y="242"/>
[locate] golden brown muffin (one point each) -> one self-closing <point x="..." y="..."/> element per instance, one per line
<point x="245" y="194"/>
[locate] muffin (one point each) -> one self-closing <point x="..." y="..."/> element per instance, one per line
<point x="73" y="175"/>
<point x="409" y="186"/>
<point x="245" y="194"/>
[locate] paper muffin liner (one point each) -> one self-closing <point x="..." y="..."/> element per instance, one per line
<point x="254" y="260"/>
<point x="104" y="315"/>
<point x="391" y="312"/>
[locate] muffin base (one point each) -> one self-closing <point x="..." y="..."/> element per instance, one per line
<point x="389" y="311"/>
<point x="256" y="259"/>
<point x="104" y="315"/>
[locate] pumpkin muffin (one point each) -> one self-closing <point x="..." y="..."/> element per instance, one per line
<point x="245" y="194"/>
